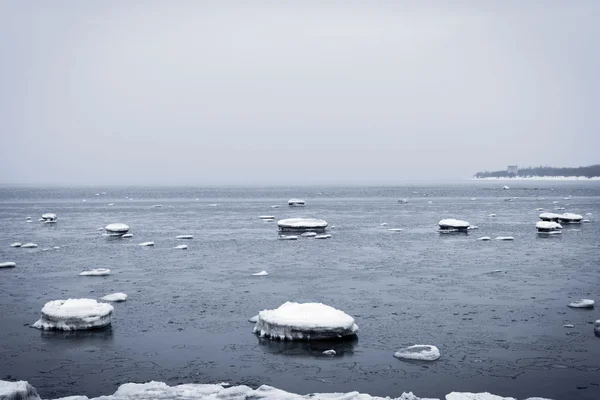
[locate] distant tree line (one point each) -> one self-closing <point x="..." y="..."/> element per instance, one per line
<point x="589" y="172"/>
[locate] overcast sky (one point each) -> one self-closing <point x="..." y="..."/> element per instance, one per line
<point x="192" y="92"/>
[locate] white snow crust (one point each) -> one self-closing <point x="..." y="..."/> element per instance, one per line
<point x="302" y="223"/>
<point x="421" y="352"/>
<point x="184" y="237"/>
<point x="293" y="321"/>
<point x="115" y="297"/>
<point x="8" y="264"/>
<point x="118" y="228"/>
<point x="453" y="224"/>
<point x="583" y="303"/>
<point x="261" y="273"/>
<point x="74" y="314"/>
<point x="96" y="272"/>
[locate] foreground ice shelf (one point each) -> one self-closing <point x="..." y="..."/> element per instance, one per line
<point x="22" y="390"/>
<point x="74" y="314"/>
<point x="305" y="321"/>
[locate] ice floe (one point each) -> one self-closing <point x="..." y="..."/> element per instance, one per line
<point x="96" y="272"/>
<point x="505" y="238"/>
<point x="453" y="225"/>
<point x="157" y="206"/>
<point x="485" y="238"/>
<point x="570" y="218"/>
<point x="548" y="216"/>
<point x="116" y="297"/>
<point x="20" y="390"/>
<point x="147" y="244"/>
<point x="266" y="217"/>
<point x="403" y="201"/>
<point x="395" y="229"/>
<point x="383" y="224"/>
<point x="184" y="237"/>
<point x="505" y="187"/>
<point x="326" y="236"/>
<point x="418" y="352"/>
<point x="296" y="203"/>
<point x="492" y="215"/>
<point x="296" y="224"/>
<point x="181" y="247"/>
<point x="583" y="303"/>
<point x="74" y="314"/>
<point x="287" y="237"/>
<point x="329" y="352"/>
<point x="548" y="227"/>
<point x="305" y="321"/>
<point x="29" y="246"/>
<point x="127" y="236"/>
<point x="308" y="234"/>
<point x="49" y="218"/>
<point x="253" y="319"/>
<point x="587" y="221"/>
<point x="116" y="229"/>
<point x="8" y="264"/>
<point x="16" y="244"/>
<point x="275" y="206"/>
<point x="111" y="204"/>
<point x="568" y="326"/>
<point x="261" y="273"/>
<point x="597" y="327"/>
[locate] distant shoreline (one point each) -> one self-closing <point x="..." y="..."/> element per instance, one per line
<point x="539" y="178"/>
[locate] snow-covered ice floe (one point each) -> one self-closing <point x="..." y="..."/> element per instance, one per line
<point x="329" y="352"/>
<point x="418" y="352"/>
<point x="403" y="201"/>
<point x="266" y="216"/>
<point x="49" y="218"/>
<point x="505" y="238"/>
<point x="548" y="216"/>
<point x="16" y="244"/>
<point x="296" y="203"/>
<point x="485" y="238"/>
<point x="195" y="391"/>
<point x="492" y="215"/>
<point x="570" y="218"/>
<point x="305" y="321"/>
<point x="327" y="236"/>
<point x="302" y="224"/>
<point x="29" y="246"/>
<point x="184" y="237"/>
<point x="548" y="227"/>
<point x="287" y="237"/>
<point x="395" y="229"/>
<point x="96" y="272"/>
<point x="309" y="234"/>
<point x="181" y="247"/>
<point x="8" y="264"/>
<point x="116" y="229"/>
<point x="147" y="244"/>
<point x="453" y="225"/>
<point x="74" y="314"/>
<point x="583" y="303"/>
<point x="127" y="236"/>
<point x="116" y="297"/>
<point x="275" y="206"/>
<point x="261" y="273"/>
<point x="505" y="187"/>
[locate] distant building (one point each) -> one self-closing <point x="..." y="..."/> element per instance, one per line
<point x="512" y="170"/>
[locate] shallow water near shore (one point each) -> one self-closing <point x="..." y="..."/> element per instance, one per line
<point x="495" y="309"/>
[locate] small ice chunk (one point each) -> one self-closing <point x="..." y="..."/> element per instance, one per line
<point x="586" y="221"/>
<point x="253" y="319"/>
<point x="597" y="327"/>
<point x="20" y="390"/>
<point x="305" y="321"/>
<point x="555" y="202"/>
<point x="505" y="187"/>
<point x="184" y="237"/>
<point x="472" y="227"/>
<point x="329" y="352"/>
<point x="97" y="194"/>
<point x="96" y="272"/>
<point x="288" y="237"/>
<point x="213" y="205"/>
<point x="56" y="247"/>
<point x="539" y="209"/>
<point x="16" y="244"/>
<point x="157" y="205"/>
<point x="266" y="217"/>
<point x="116" y="297"/>
<point x="326" y="236"/>
<point x="74" y="314"/>
<point x="583" y="303"/>
<point x="395" y="229"/>
<point x="418" y="352"/>
<point x="547" y="226"/>
<point x="430" y="202"/>
<point x="588" y="214"/>
<point x="309" y="234"/>
<point x="181" y="247"/>
<point x="127" y="235"/>
<point x="492" y="215"/>
<point x="29" y="246"/>
<point x="117" y="229"/>
<point x="261" y="273"/>
<point x="46" y="249"/>
<point x="559" y="208"/>
<point x="473" y="198"/>
<point x="275" y="206"/>
<point x="505" y="238"/>
<point x="296" y="203"/>
<point x="484" y="238"/>
<point x="568" y="326"/>
<point x="147" y="244"/>
<point x="383" y="224"/>
<point x="111" y="204"/>
<point x="450" y="223"/>
<point x="8" y="264"/>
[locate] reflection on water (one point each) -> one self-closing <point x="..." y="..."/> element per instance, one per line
<point x="314" y="348"/>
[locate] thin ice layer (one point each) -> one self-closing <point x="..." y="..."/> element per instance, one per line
<point x="309" y="321"/>
<point x="74" y="314"/>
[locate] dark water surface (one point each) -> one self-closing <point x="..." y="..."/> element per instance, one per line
<point x="186" y="317"/>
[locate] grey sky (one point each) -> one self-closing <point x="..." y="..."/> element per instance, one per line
<point x="195" y="92"/>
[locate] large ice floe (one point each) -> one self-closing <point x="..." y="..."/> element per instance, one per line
<point x="49" y="218"/>
<point x="96" y="272"/>
<point x="302" y="224"/>
<point x="8" y="264"/>
<point x="116" y="229"/>
<point x="296" y="203"/>
<point x="22" y="390"/>
<point x="74" y="314"/>
<point x="420" y="352"/>
<point x="453" y="225"/>
<point x="548" y="227"/>
<point x="583" y="303"/>
<point x="305" y="321"/>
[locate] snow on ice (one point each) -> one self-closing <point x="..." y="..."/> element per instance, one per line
<point x="96" y="272"/>
<point x="418" y="352"/>
<point x="181" y="247"/>
<point x="8" y="264"/>
<point x="583" y="303"/>
<point x="115" y="297"/>
<point x="261" y="273"/>
<point x="74" y="314"/>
